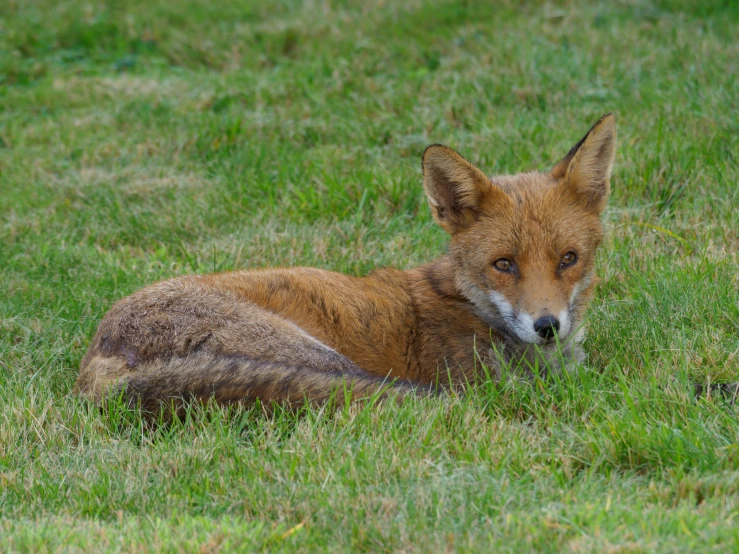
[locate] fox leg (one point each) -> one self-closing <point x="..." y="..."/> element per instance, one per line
<point x="178" y="341"/>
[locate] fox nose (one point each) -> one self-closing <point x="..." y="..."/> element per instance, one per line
<point x="546" y="326"/>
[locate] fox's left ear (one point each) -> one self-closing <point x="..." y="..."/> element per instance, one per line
<point x="586" y="169"/>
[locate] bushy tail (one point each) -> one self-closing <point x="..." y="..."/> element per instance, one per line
<point x="228" y="380"/>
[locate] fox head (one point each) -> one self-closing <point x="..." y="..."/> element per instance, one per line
<point x="523" y="246"/>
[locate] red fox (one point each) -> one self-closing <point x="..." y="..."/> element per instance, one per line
<point x="511" y="290"/>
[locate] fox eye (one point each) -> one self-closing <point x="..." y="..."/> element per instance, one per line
<point x="567" y="260"/>
<point x="503" y="264"/>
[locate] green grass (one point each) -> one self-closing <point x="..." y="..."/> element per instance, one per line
<point x="145" y="139"/>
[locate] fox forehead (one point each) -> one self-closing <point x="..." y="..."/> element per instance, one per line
<point x="539" y="220"/>
<point x="521" y="183"/>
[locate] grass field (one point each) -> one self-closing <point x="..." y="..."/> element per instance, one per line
<point x="145" y="139"/>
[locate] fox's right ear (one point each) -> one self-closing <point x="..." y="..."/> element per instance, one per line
<point x="456" y="189"/>
<point x="586" y="169"/>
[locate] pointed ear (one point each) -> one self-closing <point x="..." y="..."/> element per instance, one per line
<point x="455" y="188"/>
<point x="586" y="169"/>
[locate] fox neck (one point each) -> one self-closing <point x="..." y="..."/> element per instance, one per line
<point x="442" y="289"/>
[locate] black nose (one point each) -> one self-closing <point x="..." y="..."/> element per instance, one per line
<point x="546" y="326"/>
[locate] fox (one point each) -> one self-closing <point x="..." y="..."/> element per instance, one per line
<point x="511" y="291"/>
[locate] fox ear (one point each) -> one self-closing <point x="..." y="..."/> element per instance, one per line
<point x="455" y="188"/>
<point x="586" y="169"/>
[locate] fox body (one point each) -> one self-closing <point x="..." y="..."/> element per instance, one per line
<point x="511" y="290"/>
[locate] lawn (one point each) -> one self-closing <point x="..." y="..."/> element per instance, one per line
<point x="141" y="140"/>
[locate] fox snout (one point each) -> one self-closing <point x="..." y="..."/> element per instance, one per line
<point x="537" y="328"/>
<point x="544" y="329"/>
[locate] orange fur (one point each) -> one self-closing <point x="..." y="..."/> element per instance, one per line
<point x="293" y="335"/>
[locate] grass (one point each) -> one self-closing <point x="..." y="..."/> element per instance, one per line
<point x="143" y="140"/>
